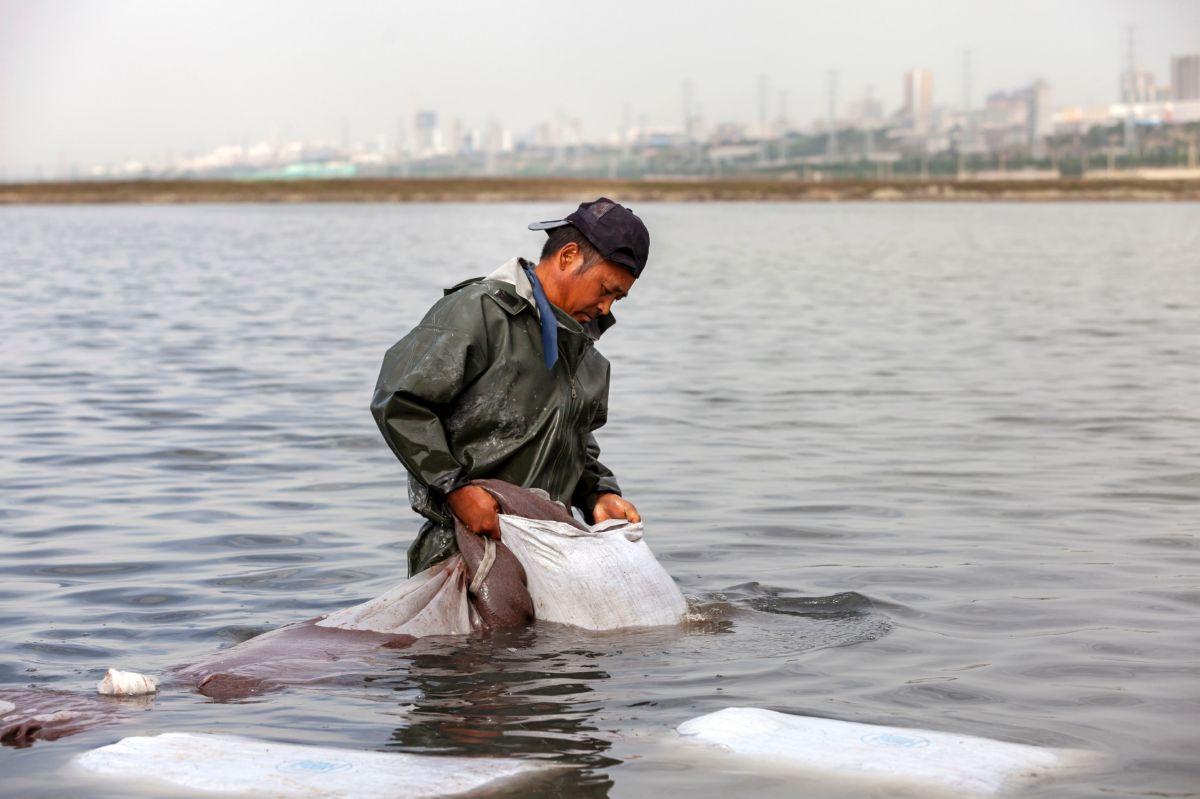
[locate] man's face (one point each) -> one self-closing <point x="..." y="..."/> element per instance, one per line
<point x="590" y="293"/>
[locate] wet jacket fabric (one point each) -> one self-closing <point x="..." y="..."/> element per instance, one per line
<point x="466" y="395"/>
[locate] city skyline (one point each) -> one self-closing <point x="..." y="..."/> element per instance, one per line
<point x="148" y="120"/>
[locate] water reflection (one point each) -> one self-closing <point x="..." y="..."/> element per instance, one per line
<point x="513" y="693"/>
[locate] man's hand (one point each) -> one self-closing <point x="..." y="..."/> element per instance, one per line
<point x="614" y="506"/>
<point x="477" y="510"/>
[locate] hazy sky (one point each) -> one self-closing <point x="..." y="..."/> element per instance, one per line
<point x="90" y="81"/>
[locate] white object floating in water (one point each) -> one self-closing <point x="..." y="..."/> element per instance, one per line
<point x="126" y="683"/>
<point x="925" y="759"/>
<point x="234" y="764"/>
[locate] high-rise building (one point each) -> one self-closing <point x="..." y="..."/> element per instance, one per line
<point x="454" y="137"/>
<point x="865" y="111"/>
<point x="426" y="136"/>
<point x="493" y="137"/>
<point x="1039" y="119"/>
<point x="1137" y="86"/>
<point x="918" y="99"/>
<point x="1185" y="77"/>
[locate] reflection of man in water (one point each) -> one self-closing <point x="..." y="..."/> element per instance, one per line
<point x="529" y="692"/>
<point x="501" y="380"/>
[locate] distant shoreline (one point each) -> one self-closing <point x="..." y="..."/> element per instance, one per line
<point x="388" y="190"/>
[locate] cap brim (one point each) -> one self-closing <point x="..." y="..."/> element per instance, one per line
<point x="553" y="223"/>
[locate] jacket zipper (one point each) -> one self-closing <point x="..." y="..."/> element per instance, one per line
<point x="571" y="371"/>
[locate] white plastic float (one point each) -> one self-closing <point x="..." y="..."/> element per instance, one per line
<point x="237" y="765"/>
<point x="914" y="759"/>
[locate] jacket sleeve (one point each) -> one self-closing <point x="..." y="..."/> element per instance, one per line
<point x="421" y="375"/>
<point x="597" y="479"/>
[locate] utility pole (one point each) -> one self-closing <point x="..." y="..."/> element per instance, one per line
<point x="687" y="109"/>
<point x="968" y="117"/>
<point x="966" y="97"/>
<point x="1130" y="89"/>
<point x="762" y="106"/>
<point x="831" y="150"/>
<point x="625" y="128"/>
<point x="869" y="132"/>
<point x="762" y="119"/>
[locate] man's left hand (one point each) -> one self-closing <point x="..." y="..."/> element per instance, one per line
<point x="614" y="506"/>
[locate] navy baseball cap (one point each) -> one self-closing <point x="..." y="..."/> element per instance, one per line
<point x="615" y="231"/>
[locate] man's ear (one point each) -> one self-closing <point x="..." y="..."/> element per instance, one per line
<point x="567" y="255"/>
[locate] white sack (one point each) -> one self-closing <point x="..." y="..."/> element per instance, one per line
<point x="433" y="602"/>
<point x="233" y="764"/>
<point x="962" y="764"/>
<point x="604" y="578"/>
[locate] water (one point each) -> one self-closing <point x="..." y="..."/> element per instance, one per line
<point x="930" y="465"/>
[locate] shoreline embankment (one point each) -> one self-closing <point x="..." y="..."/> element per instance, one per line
<point x="389" y="190"/>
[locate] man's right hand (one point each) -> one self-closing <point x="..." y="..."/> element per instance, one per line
<point x="477" y="510"/>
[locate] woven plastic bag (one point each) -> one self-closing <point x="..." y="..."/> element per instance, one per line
<point x="601" y="578"/>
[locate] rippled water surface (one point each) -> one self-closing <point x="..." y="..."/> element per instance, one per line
<point x="929" y="465"/>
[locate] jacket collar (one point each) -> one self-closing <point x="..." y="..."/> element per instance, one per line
<point x="512" y="272"/>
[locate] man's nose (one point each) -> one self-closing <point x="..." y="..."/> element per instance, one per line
<point x="605" y="306"/>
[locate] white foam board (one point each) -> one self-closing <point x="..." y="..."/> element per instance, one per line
<point x="843" y="750"/>
<point x="230" y="764"/>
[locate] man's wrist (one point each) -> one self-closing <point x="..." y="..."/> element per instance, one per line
<point x="595" y="497"/>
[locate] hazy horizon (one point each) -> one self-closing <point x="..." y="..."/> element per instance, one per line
<point x="100" y="82"/>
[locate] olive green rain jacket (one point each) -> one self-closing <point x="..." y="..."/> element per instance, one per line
<point x="466" y="395"/>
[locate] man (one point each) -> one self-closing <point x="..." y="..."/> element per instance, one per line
<point x="501" y="380"/>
